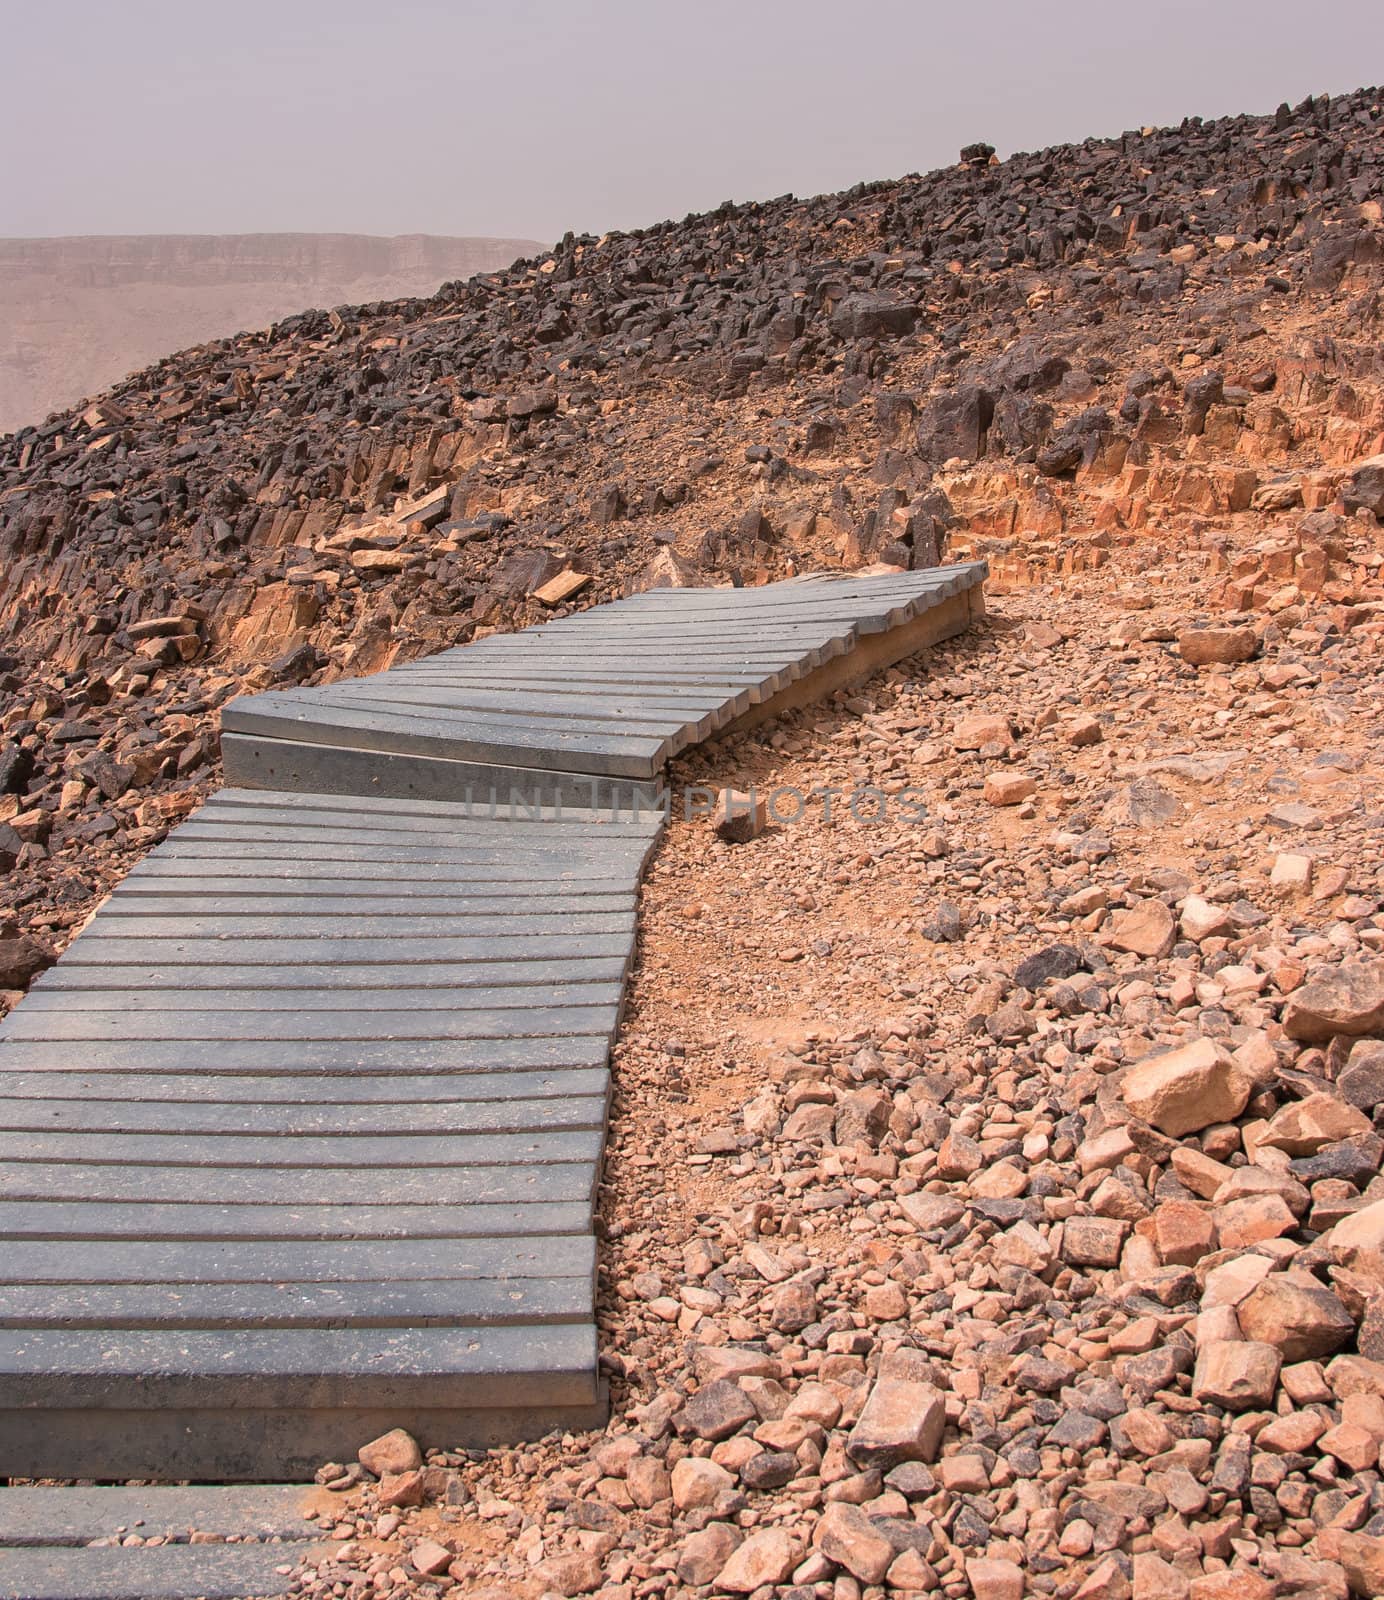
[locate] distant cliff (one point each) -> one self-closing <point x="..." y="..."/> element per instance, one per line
<point x="76" y="315"/>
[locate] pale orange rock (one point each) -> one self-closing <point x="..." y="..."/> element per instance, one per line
<point x="1238" y="1374"/>
<point x="1256" y="1218"/>
<point x="1009" y="788"/>
<point x="974" y="733"/>
<point x="1184" y="1090"/>
<point x="1204" y="647"/>
<point x="767" y="1557"/>
<point x="1146" y="928"/>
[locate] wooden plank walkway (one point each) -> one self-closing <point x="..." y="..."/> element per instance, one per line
<point x="301" y="1136"/>
<point x="66" y="1543"/>
<point x="589" y="708"/>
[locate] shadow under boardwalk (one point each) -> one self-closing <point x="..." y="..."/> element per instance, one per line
<point x="301" y="1136"/>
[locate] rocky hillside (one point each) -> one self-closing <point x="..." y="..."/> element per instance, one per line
<point x="78" y="314"/>
<point x="994" y="1205"/>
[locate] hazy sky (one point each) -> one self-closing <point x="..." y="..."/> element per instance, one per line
<point x="524" y="118"/>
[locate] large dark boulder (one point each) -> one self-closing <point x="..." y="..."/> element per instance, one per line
<point x="22" y="958"/>
<point x="873" y="317"/>
<point x="1365" y="487"/>
<point x="16" y="768"/>
<point x="955" y="423"/>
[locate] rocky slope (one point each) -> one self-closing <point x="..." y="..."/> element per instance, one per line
<point x="78" y="314"/>
<point x="994" y="1199"/>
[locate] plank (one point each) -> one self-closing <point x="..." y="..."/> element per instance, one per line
<point x="287" y="844"/>
<point x="74" y="1515"/>
<point x="18" y="1114"/>
<point x="674" y="730"/>
<point x="471" y="828"/>
<point x="346" y="1059"/>
<point x="283" y="1367"/>
<point x="605" y="729"/>
<point x="363" y="998"/>
<point x="286" y="903"/>
<point x="115" y="1219"/>
<point x="542" y="852"/>
<point x="645" y="704"/>
<point x="609" y="754"/>
<point x="336" y="766"/>
<point x="223" y="1089"/>
<point x="846" y="588"/>
<point x="296" y="1261"/>
<point x="365" y="894"/>
<point x="165" y="1572"/>
<point x="569" y="694"/>
<point x="303" y="1151"/>
<point x="806" y="620"/>
<point x="741" y="687"/>
<point x="437" y="1187"/>
<point x="345" y="1027"/>
<point x="577" y="822"/>
<point x="668" y="690"/>
<point x="94" y="950"/>
<point x="322" y="871"/>
<point x="739" y="649"/>
<point x="383" y="1303"/>
<point x="519" y="922"/>
<point x="359" y="975"/>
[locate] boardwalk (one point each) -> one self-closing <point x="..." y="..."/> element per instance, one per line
<point x="301" y="1136"/>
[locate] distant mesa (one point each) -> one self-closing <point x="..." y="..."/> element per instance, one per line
<point x="79" y="314"/>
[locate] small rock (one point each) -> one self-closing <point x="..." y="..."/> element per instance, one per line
<point x="400" y="1488"/>
<point x="1302" y="1321"/>
<point x="1291" y="873"/>
<point x="1145" y="929"/>
<point x="794" y="1306"/>
<point x="1093" y="1241"/>
<point x="431" y="1558"/>
<point x="1302" y="1127"/>
<point x="1239" y="1374"/>
<point x="696" y="1481"/>
<point x="994" y="1580"/>
<point x="770" y="1469"/>
<point x="572" y="1572"/>
<point x="717" y="1410"/>
<point x="1362" y="1230"/>
<point x="767" y="1557"/>
<point x="22" y="958"/>
<point x="1252" y="1220"/>
<point x="393" y="1452"/>
<point x="901" y="1421"/>
<point x="931" y="1212"/>
<point x="1185" y="1090"/>
<point x="1204" y="647"/>
<point x="1009" y="788"/>
<point x="1347" y="999"/>
<point x="1083" y="731"/>
<point x="737" y="818"/>
<point x="1362" y="1556"/>
<point x="705" y="1553"/>
<point x="1182" y="1233"/>
<point x="845" y="1535"/>
<point x="1240" y="1583"/>
<point x="1361" y="1082"/>
<point x="1056" y="961"/>
<point x="975" y="733"/>
<point x="1199" y="919"/>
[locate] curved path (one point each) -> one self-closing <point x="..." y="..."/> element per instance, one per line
<point x="301" y="1136"/>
